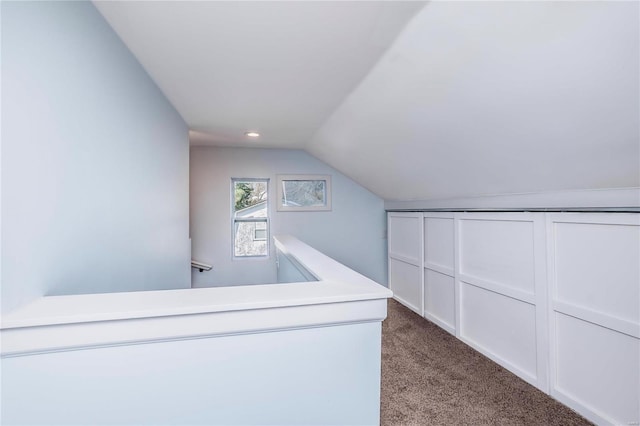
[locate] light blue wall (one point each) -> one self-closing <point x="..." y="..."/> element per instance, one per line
<point x="290" y="270"/>
<point x="94" y="161"/>
<point x="353" y="233"/>
<point x="313" y="376"/>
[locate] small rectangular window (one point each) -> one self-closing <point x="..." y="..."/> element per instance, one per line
<point x="260" y="233"/>
<point x="250" y="198"/>
<point x="304" y="192"/>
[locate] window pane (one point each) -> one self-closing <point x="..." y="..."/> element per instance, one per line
<point x="245" y="241"/>
<point x="250" y="217"/>
<point x="303" y="193"/>
<point x="260" y="235"/>
<point x="250" y="199"/>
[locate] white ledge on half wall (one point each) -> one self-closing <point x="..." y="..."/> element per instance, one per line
<point x="340" y="296"/>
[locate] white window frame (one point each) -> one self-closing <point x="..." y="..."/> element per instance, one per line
<point x="280" y="193"/>
<point x="235" y="220"/>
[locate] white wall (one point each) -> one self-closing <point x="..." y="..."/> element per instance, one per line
<point x="94" y="161"/>
<point x="352" y="233"/>
<point x="482" y="98"/>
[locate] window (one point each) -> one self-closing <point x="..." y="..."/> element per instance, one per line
<point x="260" y="233"/>
<point x="250" y="211"/>
<point x="304" y="192"/>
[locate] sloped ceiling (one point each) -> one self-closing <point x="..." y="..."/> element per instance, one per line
<point x="471" y="98"/>
<point x="279" y="68"/>
<point x="486" y="98"/>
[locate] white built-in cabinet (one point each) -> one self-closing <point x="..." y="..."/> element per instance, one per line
<point x="439" y="266"/>
<point x="594" y="316"/>
<point x="500" y="277"/>
<point x="404" y="231"/>
<point x="552" y="297"/>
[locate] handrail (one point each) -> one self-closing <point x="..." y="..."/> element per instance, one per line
<point x="201" y="266"/>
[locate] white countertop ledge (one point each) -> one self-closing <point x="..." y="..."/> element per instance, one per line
<point x="336" y="284"/>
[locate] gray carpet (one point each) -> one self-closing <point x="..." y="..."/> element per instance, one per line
<point x="431" y="378"/>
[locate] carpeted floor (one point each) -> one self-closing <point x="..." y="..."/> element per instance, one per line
<point x="431" y="378"/>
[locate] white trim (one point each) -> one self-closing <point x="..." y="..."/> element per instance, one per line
<point x="630" y="328"/>
<point x="280" y="193"/>
<point x="524" y="375"/>
<point x="441" y="323"/>
<point x="501" y="289"/>
<point x="85" y="335"/>
<point x="580" y="407"/>
<point x="422" y="272"/>
<point x="444" y="270"/>
<point x="500" y="216"/>
<point x="457" y="285"/>
<point x="438" y="215"/>
<point x="623" y="219"/>
<point x="409" y="305"/>
<point x="404" y="259"/>
<point x="617" y="198"/>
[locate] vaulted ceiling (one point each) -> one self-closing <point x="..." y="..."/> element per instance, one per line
<point x="413" y="102"/>
<point x="279" y="68"/>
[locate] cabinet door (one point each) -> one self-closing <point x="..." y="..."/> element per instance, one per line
<point x="594" y="277"/>
<point x="439" y="283"/>
<point x="405" y="258"/>
<point x="501" y="286"/>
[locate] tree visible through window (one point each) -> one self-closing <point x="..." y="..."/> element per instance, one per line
<point x="250" y="217"/>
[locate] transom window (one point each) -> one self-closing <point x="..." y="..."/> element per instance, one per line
<point x="250" y="211"/>
<point x="304" y="193"/>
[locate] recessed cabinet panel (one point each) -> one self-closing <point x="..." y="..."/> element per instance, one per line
<point x="598" y="267"/>
<point x="405" y="236"/>
<point x="594" y="289"/>
<point x="439" y="297"/>
<point x="502" y="327"/>
<point x="406" y="283"/>
<point x="499" y="251"/>
<point x="598" y="367"/>
<point x="439" y="242"/>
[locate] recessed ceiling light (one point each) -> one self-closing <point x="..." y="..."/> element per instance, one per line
<point x="252" y="134"/>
